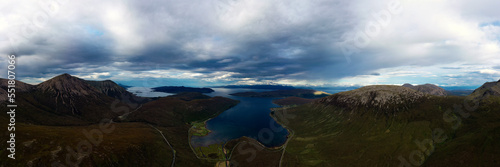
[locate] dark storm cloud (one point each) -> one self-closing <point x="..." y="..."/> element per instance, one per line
<point x="226" y="40"/>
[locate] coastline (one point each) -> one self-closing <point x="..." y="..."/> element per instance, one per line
<point x="228" y="152"/>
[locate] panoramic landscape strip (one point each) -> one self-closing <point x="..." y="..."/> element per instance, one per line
<point x="249" y="83"/>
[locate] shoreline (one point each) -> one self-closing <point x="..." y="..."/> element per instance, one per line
<point x="281" y="147"/>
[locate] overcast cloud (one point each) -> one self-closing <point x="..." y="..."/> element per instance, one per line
<point x="214" y="42"/>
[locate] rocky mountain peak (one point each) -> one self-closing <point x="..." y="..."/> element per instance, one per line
<point x="384" y="97"/>
<point x="428" y="89"/>
<point x="67" y="84"/>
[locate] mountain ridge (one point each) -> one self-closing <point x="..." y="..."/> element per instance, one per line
<point x="68" y="84"/>
<point x="386" y="97"/>
<point x="428" y="89"/>
<point x="486" y="90"/>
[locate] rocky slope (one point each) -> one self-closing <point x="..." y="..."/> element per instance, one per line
<point x="72" y="96"/>
<point x="386" y="97"/>
<point x="74" y="109"/>
<point x="67" y="86"/>
<point x="486" y="90"/>
<point x="428" y="89"/>
<point x="339" y="130"/>
<point x="64" y="100"/>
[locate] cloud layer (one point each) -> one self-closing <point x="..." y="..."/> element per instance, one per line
<point x="213" y="42"/>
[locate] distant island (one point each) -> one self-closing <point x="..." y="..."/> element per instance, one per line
<point x="180" y="89"/>
<point x="304" y="93"/>
<point x="273" y="87"/>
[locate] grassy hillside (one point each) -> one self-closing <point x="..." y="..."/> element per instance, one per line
<point x="326" y="135"/>
<point x="128" y="144"/>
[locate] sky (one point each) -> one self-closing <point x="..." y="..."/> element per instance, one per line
<point x="218" y="42"/>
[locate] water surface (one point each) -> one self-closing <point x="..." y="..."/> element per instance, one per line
<point x="249" y="118"/>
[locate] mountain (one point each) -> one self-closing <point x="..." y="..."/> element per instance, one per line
<point x="154" y="133"/>
<point x="60" y="120"/>
<point x="180" y="89"/>
<point x="382" y="97"/>
<point x="347" y="129"/>
<point x="306" y="93"/>
<point x="72" y="96"/>
<point x="428" y="89"/>
<point x="488" y="89"/>
<point x="67" y="100"/>
<point x="67" y="86"/>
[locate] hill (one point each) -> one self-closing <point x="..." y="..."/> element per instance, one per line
<point x="346" y="129"/>
<point x="486" y="90"/>
<point x="386" y="98"/>
<point x="428" y="89"/>
<point x="63" y="100"/>
<point x="79" y="112"/>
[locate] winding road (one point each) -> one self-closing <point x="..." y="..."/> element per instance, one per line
<point x="173" y="151"/>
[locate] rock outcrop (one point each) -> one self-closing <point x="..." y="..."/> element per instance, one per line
<point x="488" y="89"/>
<point x="378" y="97"/>
<point x="428" y="89"/>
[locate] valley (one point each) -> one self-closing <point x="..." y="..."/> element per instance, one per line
<point x="69" y="121"/>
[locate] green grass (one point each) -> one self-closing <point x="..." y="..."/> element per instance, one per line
<point x="199" y="129"/>
<point x="212" y="152"/>
<point x="331" y="136"/>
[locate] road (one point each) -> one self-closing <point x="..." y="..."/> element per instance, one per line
<point x="173" y="151"/>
